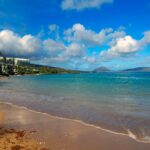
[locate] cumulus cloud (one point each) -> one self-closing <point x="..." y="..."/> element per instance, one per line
<point x="126" y="45"/>
<point x="146" y="39"/>
<point x="71" y="53"/>
<point x="123" y="46"/>
<point x="78" y="33"/>
<point x="83" y="4"/>
<point x="51" y="46"/>
<point x="12" y="44"/>
<point x="90" y="60"/>
<point x="75" y="49"/>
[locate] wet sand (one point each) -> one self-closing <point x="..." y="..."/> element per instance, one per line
<point x="1" y="117"/>
<point x="59" y="133"/>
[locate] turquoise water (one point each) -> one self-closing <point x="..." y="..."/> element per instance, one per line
<point x="115" y="101"/>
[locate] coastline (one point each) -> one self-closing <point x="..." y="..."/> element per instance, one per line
<point x="129" y="134"/>
<point x="66" y="132"/>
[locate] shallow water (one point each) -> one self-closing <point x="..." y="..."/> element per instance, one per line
<point x="115" y="101"/>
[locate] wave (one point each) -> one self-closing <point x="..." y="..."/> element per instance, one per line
<point x="130" y="78"/>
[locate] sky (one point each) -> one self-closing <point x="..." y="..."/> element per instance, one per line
<point x="77" y="34"/>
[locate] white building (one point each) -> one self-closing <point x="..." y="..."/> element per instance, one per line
<point x="8" y="66"/>
<point x="16" y="61"/>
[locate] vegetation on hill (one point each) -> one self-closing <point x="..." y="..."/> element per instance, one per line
<point x="101" y="69"/>
<point x="8" y="67"/>
<point x="39" y="69"/>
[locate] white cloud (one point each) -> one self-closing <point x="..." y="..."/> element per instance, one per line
<point x="83" y="4"/>
<point x="75" y="49"/>
<point x="146" y="39"/>
<point x="125" y="45"/>
<point x="48" y="50"/>
<point x="71" y="53"/>
<point x="78" y="33"/>
<point x="30" y="43"/>
<point x="13" y="44"/>
<point x="90" y="59"/>
<point x="53" y="46"/>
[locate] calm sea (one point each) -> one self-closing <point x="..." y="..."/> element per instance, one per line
<point x="115" y="101"/>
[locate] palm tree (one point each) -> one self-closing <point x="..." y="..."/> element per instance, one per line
<point x="4" y="58"/>
<point x="4" y="61"/>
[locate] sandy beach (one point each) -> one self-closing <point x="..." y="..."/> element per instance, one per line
<point x="22" y="128"/>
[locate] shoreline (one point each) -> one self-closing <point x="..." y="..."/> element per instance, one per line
<point x="68" y="119"/>
<point x="61" y="133"/>
<point x="129" y="133"/>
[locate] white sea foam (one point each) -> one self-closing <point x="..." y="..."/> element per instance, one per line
<point x="133" y="136"/>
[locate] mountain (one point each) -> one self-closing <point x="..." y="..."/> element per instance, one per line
<point x="138" y="69"/>
<point x="101" y="69"/>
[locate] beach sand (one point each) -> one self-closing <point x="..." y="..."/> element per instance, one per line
<point x="2" y="115"/>
<point x="39" y="131"/>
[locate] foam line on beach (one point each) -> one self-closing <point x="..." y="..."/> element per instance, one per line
<point x="129" y="133"/>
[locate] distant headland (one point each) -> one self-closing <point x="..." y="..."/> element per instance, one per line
<point x="137" y="69"/>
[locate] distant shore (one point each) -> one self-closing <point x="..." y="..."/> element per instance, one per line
<point x="57" y="133"/>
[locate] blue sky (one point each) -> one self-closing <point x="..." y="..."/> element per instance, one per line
<point x="77" y="34"/>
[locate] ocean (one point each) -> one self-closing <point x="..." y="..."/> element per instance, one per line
<point x="118" y="102"/>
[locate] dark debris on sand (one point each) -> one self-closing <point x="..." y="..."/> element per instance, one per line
<point x="12" y="139"/>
